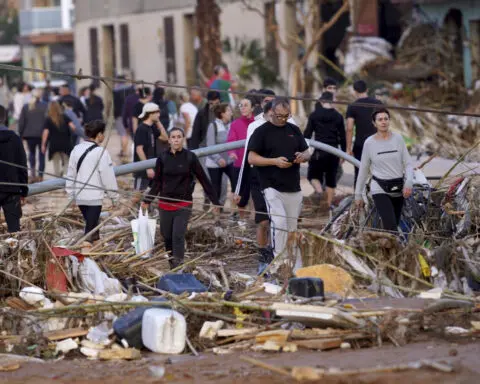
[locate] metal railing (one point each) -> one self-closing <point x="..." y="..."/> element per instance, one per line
<point x="54" y="184"/>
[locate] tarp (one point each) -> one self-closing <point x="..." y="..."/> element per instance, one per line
<point x="10" y="53"/>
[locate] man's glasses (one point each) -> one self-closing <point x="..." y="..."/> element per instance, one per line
<point x="282" y="117"/>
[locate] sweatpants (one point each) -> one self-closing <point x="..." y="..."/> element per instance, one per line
<point x="390" y="210"/>
<point x="217" y="177"/>
<point x="284" y="209"/>
<point x="35" y="144"/>
<point x="91" y="214"/>
<point x="173" y="227"/>
<point x="12" y="210"/>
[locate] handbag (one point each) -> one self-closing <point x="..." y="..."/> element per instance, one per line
<point x="391" y="185"/>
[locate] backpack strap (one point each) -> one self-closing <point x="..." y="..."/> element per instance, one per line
<point x="215" y="128"/>
<point x="89" y="149"/>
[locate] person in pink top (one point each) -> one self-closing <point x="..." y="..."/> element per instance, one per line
<point x="238" y="131"/>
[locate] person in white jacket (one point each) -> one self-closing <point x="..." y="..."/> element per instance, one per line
<point x="90" y="176"/>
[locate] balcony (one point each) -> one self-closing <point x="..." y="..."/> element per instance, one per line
<point x="44" y="20"/>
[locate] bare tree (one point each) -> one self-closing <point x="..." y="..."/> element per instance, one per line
<point x="208" y="32"/>
<point x="312" y="28"/>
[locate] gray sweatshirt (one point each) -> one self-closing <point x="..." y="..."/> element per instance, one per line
<point x="386" y="160"/>
<point x="220" y="138"/>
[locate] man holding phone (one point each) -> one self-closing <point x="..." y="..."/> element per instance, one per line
<point x="277" y="148"/>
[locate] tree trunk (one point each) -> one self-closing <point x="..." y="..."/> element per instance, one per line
<point x="208" y="31"/>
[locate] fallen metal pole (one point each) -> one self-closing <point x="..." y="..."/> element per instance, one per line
<point x="53" y="184"/>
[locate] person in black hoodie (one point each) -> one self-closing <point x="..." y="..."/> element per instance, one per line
<point x="203" y="119"/>
<point x="94" y="105"/>
<point x="174" y="182"/>
<point x="329" y="128"/>
<point x="13" y="179"/>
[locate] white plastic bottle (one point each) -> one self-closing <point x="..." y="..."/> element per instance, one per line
<point x="164" y="331"/>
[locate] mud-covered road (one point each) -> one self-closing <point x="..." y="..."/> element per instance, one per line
<point x="229" y="369"/>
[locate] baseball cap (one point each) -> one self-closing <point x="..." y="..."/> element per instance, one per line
<point x="147" y="108"/>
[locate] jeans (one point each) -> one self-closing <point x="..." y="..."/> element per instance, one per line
<point x="91" y="214"/>
<point x="390" y="210"/>
<point x="12" y="210"/>
<point x="33" y="144"/>
<point x="173" y="226"/>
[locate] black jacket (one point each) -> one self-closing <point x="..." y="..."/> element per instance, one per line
<point x="200" y="127"/>
<point x="12" y="152"/>
<point x="94" y="109"/>
<point x="175" y="178"/>
<point x="328" y="126"/>
<point x="78" y="107"/>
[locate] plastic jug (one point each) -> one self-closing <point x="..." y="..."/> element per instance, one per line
<point x="129" y="326"/>
<point x="180" y="283"/>
<point x="306" y="287"/>
<point x="164" y="331"/>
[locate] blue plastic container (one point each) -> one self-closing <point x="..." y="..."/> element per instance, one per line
<point x="180" y="283"/>
<point x="129" y="326"/>
<point x="306" y="287"/>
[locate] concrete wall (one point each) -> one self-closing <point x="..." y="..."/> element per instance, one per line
<point x="470" y="12"/>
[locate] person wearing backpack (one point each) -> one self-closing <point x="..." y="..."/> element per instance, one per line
<point x="220" y="163"/>
<point x="174" y="182"/>
<point x="90" y="176"/>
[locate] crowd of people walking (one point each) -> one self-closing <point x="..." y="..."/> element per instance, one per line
<point x="266" y="170"/>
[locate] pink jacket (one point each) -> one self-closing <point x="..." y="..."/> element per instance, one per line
<point x="238" y="131"/>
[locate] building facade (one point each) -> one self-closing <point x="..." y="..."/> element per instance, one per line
<point x="462" y="19"/>
<point x="156" y="40"/>
<point x="46" y="36"/>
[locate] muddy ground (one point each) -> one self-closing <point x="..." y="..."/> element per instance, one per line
<point x="229" y="369"/>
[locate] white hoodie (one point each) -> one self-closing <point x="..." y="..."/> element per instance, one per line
<point x="101" y="182"/>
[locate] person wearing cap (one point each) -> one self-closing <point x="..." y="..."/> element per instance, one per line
<point x="328" y="126"/>
<point x="145" y="142"/>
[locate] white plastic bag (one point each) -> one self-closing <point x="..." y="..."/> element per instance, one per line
<point x="143" y="230"/>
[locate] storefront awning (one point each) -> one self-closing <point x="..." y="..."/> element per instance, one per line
<point x="10" y="53"/>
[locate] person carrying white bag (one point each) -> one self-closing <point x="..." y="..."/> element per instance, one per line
<point x="174" y="182"/>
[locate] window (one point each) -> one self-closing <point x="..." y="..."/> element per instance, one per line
<point x="170" y="49"/>
<point x="125" y="46"/>
<point x="94" y="62"/>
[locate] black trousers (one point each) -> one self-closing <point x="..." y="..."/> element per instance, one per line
<point x="216" y="175"/>
<point x="91" y="214"/>
<point x="357" y="153"/>
<point x="173" y="226"/>
<point x="390" y="210"/>
<point x="12" y="209"/>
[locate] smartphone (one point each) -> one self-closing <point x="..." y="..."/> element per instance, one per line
<point x="291" y="159"/>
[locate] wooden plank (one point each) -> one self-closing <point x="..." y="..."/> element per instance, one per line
<point x="65" y="334"/>
<point x="19" y="304"/>
<point x="319" y="344"/>
<point x="236" y="332"/>
<point x="277" y="336"/>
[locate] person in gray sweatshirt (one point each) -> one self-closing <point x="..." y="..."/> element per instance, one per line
<point x="220" y="163"/>
<point x="386" y="158"/>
